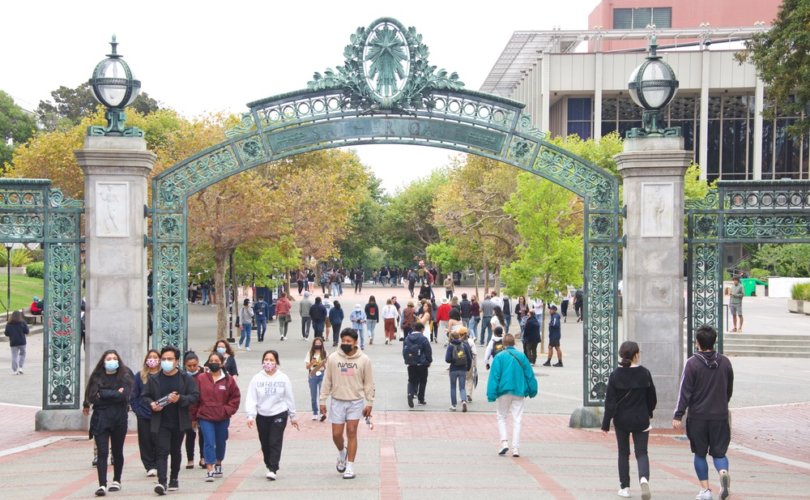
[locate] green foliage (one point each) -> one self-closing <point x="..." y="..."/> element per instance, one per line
<point x="363" y="231"/>
<point x="600" y="154"/>
<point x="695" y="189"/>
<point x="20" y="257"/>
<point x="16" y="127"/>
<point x="23" y="289"/>
<point x="784" y="260"/>
<point x="800" y="291"/>
<point x="782" y="58"/>
<point x="446" y="256"/>
<point x="551" y="255"/>
<point x="258" y="260"/>
<point x="760" y="274"/>
<point x="35" y="270"/>
<point x="374" y="258"/>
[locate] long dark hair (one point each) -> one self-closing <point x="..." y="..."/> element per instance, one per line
<point x="123" y="377"/>
<point x="499" y="314"/>
<point x="322" y="349"/>
<point x="16" y="317"/>
<point x="627" y="351"/>
<point x="228" y="348"/>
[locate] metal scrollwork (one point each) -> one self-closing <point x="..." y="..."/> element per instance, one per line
<point x="600" y="324"/>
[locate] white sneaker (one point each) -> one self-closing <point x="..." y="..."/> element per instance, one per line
<point x="624" y="493"/>
<point x="704" y="495"/>
<point x="270" y="475"/>
<point x="151" y="473"/>
<point x="645" y="488"/>
<point x="348" y="473"/>
<point x="504" y="448"/>
<point x="515" y="452"/>
<point x="114" y="486"/>
<point x="20" y="371"/>
<point x="341" y="461"/>
<point x="314" y="417"/>
<point x="247" y="349"/>
<point x="101" y="491"/>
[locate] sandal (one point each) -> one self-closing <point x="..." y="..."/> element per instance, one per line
<point x="190" y="465"/>
<point x="202" y="464"/>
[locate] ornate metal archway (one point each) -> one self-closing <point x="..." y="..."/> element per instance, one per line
<point x="387" y="93"/>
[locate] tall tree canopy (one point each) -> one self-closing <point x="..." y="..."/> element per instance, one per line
<point x="16" y="127"/>
<point x="70" y="105"/>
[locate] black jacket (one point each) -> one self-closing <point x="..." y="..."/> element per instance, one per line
<point x="110" y="406"/>
<point x="531" y="332"/>
<point x="706" y="387"/>
<point x="189" y="395"/>
<point x="16" y="333"/>
<point x="465" y="306"/>
<point x="630" y="399"/>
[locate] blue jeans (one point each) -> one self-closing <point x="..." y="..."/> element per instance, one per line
<point x="486" y="326"/>
<point x="306" y="322"/>
<point x="261" y="327"/>
<point x="370" y="326"/>
<point x="314" y="391"/>
<point x="205" y="296"/>
<point x="215" y="434"/>
<point x="458" y="377"/>
<point x="245" y="337"/>
<point x="473" y="325"/>
<point x="361" y="335"/>
<point x="507" y="320"/>
<point x="335" y="290"/>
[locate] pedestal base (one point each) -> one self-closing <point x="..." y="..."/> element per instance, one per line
<point x="587" y="417"/>
<point x="61" y="420"/>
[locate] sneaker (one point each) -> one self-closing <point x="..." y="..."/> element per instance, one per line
<point x="20" y="371"/>
<point x="504" y="448"/>
<point x="247" y="349"/>
<point x="452" y="408"/>
<point x="645" y="488"/>
<point x="423" y="403"/>
<point x="160" y="489"/>
<point x="558" y="364"/>
<point x="464" y="406"/>
<point x="469" y="398"/>
<point x="271" y="476"/>
<point x="94" y="462"/>
<point x="209" y="477"/>
<point x="174" y="484"/>
<point x="547" y="363"/>
<point x="410" y="400"/>
<point x="114" y="486"/>
<point x="101" y="491"/>
<point x="341" y="461"/>
<point x="704" y="495"/>
<point x="217" y="470"/>
<point x="624" y="493"/>
<point x="151" y="473"/>
<point x="515" y="452"/>
<point x="725" y="484"/>
<point x="314" y="417"/>
<point x="349" y="473"/>
<point x="282" y="339"/>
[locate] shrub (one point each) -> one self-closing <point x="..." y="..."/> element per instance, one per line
<point x="760" y="274"/>
<point x="35" y="270"/>
<point x="20" y="257"/>
<point x="800" y="291"/>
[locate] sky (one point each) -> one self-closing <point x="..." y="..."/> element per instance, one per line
<point x="204" y="56"/>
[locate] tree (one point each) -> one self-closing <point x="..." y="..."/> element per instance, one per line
<point x="71" y="105"/>
<point x="782" y="58"/>
<point x="784" y="260"/>
<point x="16" y="127"/>
<point x="599" y="153"/>
<point x="363" y="229"/>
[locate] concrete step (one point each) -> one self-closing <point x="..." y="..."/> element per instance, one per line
<point x="748" y="336"/>
<point x="757" y="353"/>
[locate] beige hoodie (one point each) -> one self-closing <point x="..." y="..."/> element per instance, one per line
<point x="348" y="378"/>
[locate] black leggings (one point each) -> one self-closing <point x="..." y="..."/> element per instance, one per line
<point x="640" y="440"/>
<point x="271" y="437"/>
<point x="191" y="435"/>
<point x="105" y="439"/>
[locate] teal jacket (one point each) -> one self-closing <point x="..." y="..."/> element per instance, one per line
<point x="511" y="373"/>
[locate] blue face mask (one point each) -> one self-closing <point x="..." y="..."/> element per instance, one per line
<point x="221" y="350"/>
<point x="167" y="366"/>
<point x="111" y="365"/>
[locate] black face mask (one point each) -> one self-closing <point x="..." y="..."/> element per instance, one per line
<point x="214" y="367"/>
<point x="347" y="348"/>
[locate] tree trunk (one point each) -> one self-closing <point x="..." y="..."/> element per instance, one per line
<point x="235" y="288"/>
<point x="220" y="260"/>
<point x="486" y="275"/>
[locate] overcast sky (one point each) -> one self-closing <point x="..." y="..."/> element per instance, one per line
<point x="204" y="56"/>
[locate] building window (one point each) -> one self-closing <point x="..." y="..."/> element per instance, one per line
<point x="639" y="19"/>
<point x="783" y="156"/>
<point x="579" y="117"/>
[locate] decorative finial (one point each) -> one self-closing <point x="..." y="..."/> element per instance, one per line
<point x="653" y="46"/>
<point x="114" y="45"/>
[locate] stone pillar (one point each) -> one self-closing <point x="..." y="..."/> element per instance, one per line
<point x="116" y="173"/>
<point x="653" y="170"/>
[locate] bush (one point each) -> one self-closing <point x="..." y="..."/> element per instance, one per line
<point x="20" y="257"/>
<point x="35" y="270"/>
<point x="800" y="291"/>
<point x="760" y="274"/>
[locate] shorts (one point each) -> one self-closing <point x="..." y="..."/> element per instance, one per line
<point x="554" y="342"/>
<point x="708" y="436"/>
<point x="735" y="309"/>
<point x="341" y="410"/>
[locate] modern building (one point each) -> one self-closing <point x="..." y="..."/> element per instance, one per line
<point x="575" y="82"/>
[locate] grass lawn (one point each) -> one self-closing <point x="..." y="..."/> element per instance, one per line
<point x="23" y="289"/>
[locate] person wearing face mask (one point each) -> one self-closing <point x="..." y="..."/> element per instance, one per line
<point x="108" y="391"/>
<point x="269" y="404"/>
<point x="170" y="394"/>
<point x="191" y="363"/>
<point x="146" y="440"/>
<point x="223" y="347"/>
<point x="315" y="359"/>
<point x="219" y="401"/>
<point x="349" y="381"/>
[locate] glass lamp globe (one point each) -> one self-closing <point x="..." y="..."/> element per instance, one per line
<point x="653" y="84"/>
<point x="113" y="83"/>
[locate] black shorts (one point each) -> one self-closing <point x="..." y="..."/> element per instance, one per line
<point x="554" y="342"/>
<point x="708" y="436"/>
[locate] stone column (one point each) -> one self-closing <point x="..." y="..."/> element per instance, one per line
<point x="116" y="172"/>
<point x="653" y="170"/>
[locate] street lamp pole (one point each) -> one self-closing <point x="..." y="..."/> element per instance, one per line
<point x="232" y="302"/>
<point x="8" y="279"/>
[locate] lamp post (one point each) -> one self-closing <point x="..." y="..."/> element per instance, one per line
<point x="232" y="303"/>
<point x="8" y="279"/>
<point x="115" y="87"/>
<point x="652" y="86"/>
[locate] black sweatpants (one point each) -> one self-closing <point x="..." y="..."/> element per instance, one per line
<point x="169" y="443"/>
<point x="190" y="436"/>
<point x="104" y="440"/>
<point x="530" y="350"/>
<point x="146" y="443"/>
<point x="640" y="440"/>
<point x="417" y="381"/>
<point x="271" y="437"/>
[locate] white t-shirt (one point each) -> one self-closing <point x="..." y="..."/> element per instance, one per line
<point x="497" y="301"/>
<point x="270" y="395"/>
<point x="389" y="312"/>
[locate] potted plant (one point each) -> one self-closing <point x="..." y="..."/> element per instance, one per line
<point x="799" y="298"/>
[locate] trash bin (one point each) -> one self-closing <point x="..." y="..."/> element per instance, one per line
<point x="750" y="285"/>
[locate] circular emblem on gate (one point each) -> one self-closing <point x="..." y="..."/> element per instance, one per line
<point x="386" y="60"/>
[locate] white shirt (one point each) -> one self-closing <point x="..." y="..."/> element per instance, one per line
<point x="537" y="305"/>
<point x="389" y="312"/>
<point x="497" y="301"/>
<point x="490" y="345"/>
<point x="270" y="395"/>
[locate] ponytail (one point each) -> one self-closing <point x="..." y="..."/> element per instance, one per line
<point x="627" y="352"/>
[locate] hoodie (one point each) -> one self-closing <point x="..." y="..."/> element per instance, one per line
<point x="348" y="377"/>
<point x="451" y="349"/>
<point x="706" y="387"/>
<point x="630" y="399"/>
<point x="490" y="346"/>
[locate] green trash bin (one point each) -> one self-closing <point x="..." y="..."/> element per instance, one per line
<point x="750" y="285"/>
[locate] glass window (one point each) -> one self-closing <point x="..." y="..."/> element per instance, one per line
<point x="767" y="149"/>
<point x="628" y="110"/>
<point x="642" y="17"/>
<point x="639" y="19"/>
<point x="786" y="151"/>
<point x="662" y="17"/>
<point x="622" y="19"/>
<point x="734" y="149"/>
<point x="713" y="168"/>
<point x="579" y="116"/>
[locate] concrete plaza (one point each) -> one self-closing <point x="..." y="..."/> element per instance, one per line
<point x="430" y="451"/>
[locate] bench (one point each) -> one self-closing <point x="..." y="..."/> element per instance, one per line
<point x="29" y="318"/>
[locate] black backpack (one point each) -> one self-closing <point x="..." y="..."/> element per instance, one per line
<point x="497" y="347"/>
<point x="412" y="352"/>
<point x="459" y="355"/>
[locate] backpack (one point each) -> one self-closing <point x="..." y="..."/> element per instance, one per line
<point x="497" y="347"/>
<point x="412" y="352"/>
<point x="459" y="355"/>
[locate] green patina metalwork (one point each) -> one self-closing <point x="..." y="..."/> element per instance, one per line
<point x="378" y="98"/>
<point x="32" y="212"/>
<point x="737" y="212"/>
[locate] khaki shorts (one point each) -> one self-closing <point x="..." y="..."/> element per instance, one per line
<point x="340" y="410"/>
<point x="735" y="309"/>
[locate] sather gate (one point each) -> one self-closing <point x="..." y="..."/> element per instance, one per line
<point x="388" y="93"/>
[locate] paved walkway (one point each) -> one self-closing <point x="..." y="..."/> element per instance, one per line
<point x="430" y="452"/>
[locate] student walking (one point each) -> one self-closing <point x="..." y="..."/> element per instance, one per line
<point x="315" y="360"/>
<point x="706" y="387"/>
<point x="269" y="404"/>
<point x="736" y="295"/>
<point x="16" y="330"/>
<point x="246" y="321"/>
<point x="335" y="319"/>
<point x="358" y="320"/>
<point x="146" y="440"/>
<point x="629" y="402"/>
<point x="372" y="311"/>
<point x="349" y="382"/>
<point x="459" y="356"/>
<point x="304" y="308"/>
<point x="318" y="316"/>
<point x="261" y="311"/>
<point x="218" y="402"/>
<point x="390" y="316"/>
<point x="283" y="307"/>
<point x="191" y="364"/>
<point x="554" y="336"/>
<point x="223" y="347"/>
<point x="531" y="337"/>
<point x="108" y="390"/>
<point x="510" y="381"/>
<point x="418" y="356"/>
